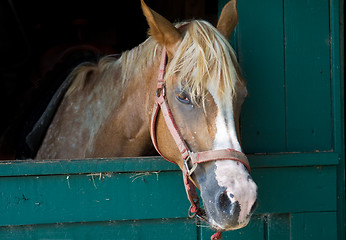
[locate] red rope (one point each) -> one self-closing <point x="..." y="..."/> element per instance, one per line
<point x="216" y="236"/>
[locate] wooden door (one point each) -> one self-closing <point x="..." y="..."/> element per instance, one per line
<point x="292" y="121"/>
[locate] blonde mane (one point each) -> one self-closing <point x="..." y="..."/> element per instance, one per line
<point x="105" y="67"/>
<point x="131" y="62"/>
<point x="203" y="57"/>
<point x="135" y="61"/>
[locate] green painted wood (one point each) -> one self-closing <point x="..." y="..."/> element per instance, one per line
<point x="307" y="64"/>
<point x="313" y="226"/>
<point x="296" y="189"/>
<point x="76" y="166"/>
<point x="294" y="159"/>
<point x="278" y="226"/>
<point x="170" y="229"/>
<point x="285" y="57"/>
<point x="338" y="71"/>
<point x="98" y="200"/>
<point x="147" y="195"/>
<point x="71" y="197"/>
<point x="122" y="165"/>
<point x="261" y="57"/>
<point x="312" y="115"/>
<point x="89" y="198"/>
<point x="300" y="226"/>
<point x="255" y="230"/>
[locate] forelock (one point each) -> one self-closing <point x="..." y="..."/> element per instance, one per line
<point x="204" y="57"/>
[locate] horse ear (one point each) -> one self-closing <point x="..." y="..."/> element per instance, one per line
<point x="228" y="19"/>
<point x="162" y="30"/>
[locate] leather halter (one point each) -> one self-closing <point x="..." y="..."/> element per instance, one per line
<point x="191" y="160"/>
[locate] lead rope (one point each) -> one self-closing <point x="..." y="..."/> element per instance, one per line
<point x="216" y="236"/>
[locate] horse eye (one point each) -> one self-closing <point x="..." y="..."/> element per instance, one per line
<point x="183" y="98"/>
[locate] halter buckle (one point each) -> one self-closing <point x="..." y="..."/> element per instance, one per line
<point x="161" y="91"/>
<point x="186" y="165"/>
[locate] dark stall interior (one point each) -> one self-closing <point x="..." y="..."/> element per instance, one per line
<point x="41" y="42"/>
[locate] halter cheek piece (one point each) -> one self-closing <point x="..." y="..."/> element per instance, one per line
<point x="191" y="160"/>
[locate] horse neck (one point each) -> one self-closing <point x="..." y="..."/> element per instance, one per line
<point x="127" y="132"/>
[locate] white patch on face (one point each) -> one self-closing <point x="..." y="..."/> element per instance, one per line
<point x="230" y="174"/>
<point x="226" y="136"/>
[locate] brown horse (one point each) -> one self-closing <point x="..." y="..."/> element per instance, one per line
<point x="113" y="107"/>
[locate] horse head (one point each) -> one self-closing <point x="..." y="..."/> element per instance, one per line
<point x="203" y="91"/>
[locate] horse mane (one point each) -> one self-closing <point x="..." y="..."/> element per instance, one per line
<point x="131" y="63"/>
<point x="106" y="67"/>
<point x="135" y="61"/>
<point x="203" y="57"/>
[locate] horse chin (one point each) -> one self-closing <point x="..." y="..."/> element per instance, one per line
<point x="221" y="222"/>
<point x="226" y="225"/>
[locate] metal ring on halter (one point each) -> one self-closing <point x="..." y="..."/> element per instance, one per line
<point x="191" y="215"/>
<point x="161" y="91"/>
<point x="194" y="165"/>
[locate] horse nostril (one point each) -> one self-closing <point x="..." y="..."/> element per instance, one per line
<point x="254" y="206"/>
<point x="224" y="202"/>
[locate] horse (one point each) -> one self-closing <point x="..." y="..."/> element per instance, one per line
<point x="180" y="93"/>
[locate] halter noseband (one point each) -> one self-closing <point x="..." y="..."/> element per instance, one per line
<point x="191" y="160"/>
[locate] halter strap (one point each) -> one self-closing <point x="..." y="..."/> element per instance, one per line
<point x="161" y="103"/>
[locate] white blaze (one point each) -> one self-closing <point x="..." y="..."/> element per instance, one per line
<point x="226" y="136"/>
<point x="230" y="174"/>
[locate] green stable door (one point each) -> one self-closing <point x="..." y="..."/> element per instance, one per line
<point x="292" y="121"/>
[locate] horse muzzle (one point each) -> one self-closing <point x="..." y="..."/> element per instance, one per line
<point x="229" y="200"/>
<point x="225" y="214"/>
